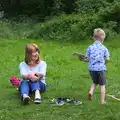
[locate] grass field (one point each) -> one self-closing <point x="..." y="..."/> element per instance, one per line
<point x="68" y="77"/>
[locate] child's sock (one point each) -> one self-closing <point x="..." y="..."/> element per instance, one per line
<point x="37" y="94"/>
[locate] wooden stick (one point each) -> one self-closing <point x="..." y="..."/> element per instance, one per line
<point x="78" y="54"/>
<point x="112" y="96"/>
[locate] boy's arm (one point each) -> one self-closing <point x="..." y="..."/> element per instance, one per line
<point x="107" y="60"/>
<point x="107" y="56"/>
<point x="86" y="58"/>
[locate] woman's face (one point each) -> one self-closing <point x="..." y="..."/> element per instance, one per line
<point x="34" y="56"/>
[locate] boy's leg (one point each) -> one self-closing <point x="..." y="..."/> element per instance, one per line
<point x="102" y="82"/>
<point x="92" y="88"/>
<point x="102" y="90"/>
<point x="24" y="91"/>
<point x="93" y="75"/>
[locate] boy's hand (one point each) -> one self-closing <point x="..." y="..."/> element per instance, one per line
<point x="85" y="59"/>
<point x="107" y="60"/>
<point x="81" y="58"/>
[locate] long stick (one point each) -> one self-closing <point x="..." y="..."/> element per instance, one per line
<point x="112" y="96"/>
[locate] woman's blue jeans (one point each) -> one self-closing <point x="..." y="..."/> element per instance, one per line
<point x="26" y="86"/>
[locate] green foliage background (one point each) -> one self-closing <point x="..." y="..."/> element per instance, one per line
<point x="65" y="20"/>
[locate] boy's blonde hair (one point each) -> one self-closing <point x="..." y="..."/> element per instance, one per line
<point x="99" y="33"/>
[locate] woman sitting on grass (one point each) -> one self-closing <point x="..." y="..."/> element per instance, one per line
<point x="32" y="71"/>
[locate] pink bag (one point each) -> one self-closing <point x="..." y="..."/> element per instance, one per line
<point x="15" y="81"/>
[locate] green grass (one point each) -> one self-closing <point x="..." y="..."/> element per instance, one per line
<point x="68" y="77"/>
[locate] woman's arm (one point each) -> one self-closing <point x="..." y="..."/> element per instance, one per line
<point x="23" y="71"/>
<point x="25" y="77"/>
<point x="30" y="76"/>
<point x="39" y="75"/>
<point x="42" y="70"/>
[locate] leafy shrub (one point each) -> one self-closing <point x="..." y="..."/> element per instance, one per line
<point x="72" y="27"/>
<point x="88" y="6"/>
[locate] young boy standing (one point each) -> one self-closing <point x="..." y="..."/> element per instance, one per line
<point x="97" y="56"/>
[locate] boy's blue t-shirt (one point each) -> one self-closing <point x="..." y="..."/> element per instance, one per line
<point x="97" y="53"/>
<point x="41" y="67"/>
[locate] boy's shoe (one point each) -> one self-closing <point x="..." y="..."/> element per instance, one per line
<point x="89" y="96"/>
<point x="37" y="100"/>
<point x="26" y="100"/>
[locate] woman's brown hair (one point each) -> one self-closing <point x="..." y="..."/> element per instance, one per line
<point x="29" y="49"/>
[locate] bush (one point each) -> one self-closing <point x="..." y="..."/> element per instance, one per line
<point x="88" y="6"/>
<point x="56" y="28"/>
<point x="111" y="13"/>
<point x="14" y="30"/>
<point x="6" y="30"/>
<point x="72" y="27"/>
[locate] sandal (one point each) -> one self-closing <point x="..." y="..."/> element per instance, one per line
<point x="57" y="102"/>
<point x="73" y="101"/>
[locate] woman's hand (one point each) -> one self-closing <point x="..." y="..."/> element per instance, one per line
<point x="38" y="74"/>
<point x="32" y="76"/>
